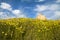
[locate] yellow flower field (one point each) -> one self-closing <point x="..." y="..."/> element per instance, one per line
<point x="29" y="29"/>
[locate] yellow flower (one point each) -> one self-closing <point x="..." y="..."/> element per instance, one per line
<point x="45" y="27"/>
<point x="11" y="35"/>
<point x="2" y="32"/>
<point x="39" y="30"/>
<point x="5" y="34"/>
<point x="16" y="28"/>
<point x="22" y="32"/>
<point x="21" y="27"/>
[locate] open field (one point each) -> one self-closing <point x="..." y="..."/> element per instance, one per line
<point x="29" y="29"/>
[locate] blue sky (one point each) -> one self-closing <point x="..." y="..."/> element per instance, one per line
<point x="29" y="8"/>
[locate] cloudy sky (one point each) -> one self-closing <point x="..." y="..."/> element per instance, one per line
<point x="29" y="8"/>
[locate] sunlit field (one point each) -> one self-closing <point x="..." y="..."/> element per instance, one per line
<point x="29" y="29"/>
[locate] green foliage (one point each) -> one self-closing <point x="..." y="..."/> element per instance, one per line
<point x="29" y="29"/>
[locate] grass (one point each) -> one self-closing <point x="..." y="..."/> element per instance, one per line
<point x="29" y="29"/>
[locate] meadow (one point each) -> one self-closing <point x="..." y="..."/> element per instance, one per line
<point x="29" y="29"/>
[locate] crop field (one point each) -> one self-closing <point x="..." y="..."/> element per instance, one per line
<point x="29" y="29"/>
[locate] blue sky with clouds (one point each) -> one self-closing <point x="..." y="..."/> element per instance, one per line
<point x="29" y="8"/>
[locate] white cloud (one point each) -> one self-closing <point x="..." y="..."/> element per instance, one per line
<point x="57" y="13"/>
<point x="1" y="13"/>
<point x="22" y="16"/>
<point x="58" y="1"/>
<point x="16" y="12"/>
<point x="53" y="8"/>
<point x="5" y="6"/>
<point x="40" y="8"/>
<point x="41" y="0"/>
<point x="5" y="14"/>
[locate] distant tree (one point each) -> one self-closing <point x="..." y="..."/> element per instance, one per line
<point x="40" y="16"/>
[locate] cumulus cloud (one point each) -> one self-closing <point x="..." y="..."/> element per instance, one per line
<point x="4" y="15"/>
<point x="5" y="6"/>
<point x="51" y="7"/>
<point x="8" y="7"/>
<point x="22" y="16"/>
<point x="58" y="1"/>
<point x="1" y="13"/>
<point x="57" y="13"/>
<point x="41" y="0"/>
<point x="16" y="12"/>
<point x="40" y="8"/>
<point x="54" y="8"/>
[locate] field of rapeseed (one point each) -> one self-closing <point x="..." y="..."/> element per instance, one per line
<point x="29" y="29"/>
